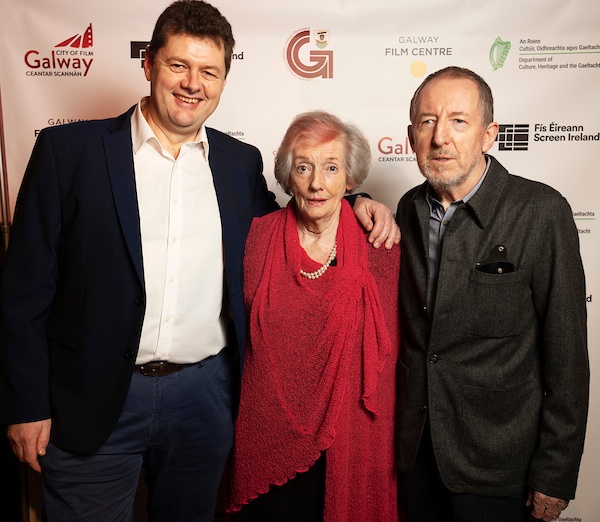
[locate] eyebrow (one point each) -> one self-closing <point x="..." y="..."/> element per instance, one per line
<point x="453" y="113"/>
<point x="306" y="158"/>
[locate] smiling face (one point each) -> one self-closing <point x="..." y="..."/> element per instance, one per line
<point x="187" y="78"/>
<point x="448" y="136"/>
<point x="318" y="180"/>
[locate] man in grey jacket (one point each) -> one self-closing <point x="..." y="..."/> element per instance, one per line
<point x="494" y="372"/>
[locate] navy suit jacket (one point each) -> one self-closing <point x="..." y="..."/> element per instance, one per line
<point x="72" y="296"/>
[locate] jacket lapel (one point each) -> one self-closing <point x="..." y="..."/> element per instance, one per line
<point x="119" y="158"/>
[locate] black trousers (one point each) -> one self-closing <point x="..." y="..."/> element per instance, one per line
<point x="426" y="498"/>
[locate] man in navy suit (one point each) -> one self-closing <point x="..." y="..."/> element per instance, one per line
<point x="122" y="323"/>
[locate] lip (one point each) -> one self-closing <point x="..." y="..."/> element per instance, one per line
<point x="187" y="100"/>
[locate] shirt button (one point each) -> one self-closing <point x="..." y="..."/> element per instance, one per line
<point x="433" y="358"/>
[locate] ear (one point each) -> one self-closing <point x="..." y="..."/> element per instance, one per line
<point x="411" y="138"/>
<point x="147" y="65"/>
<point x="490" y="136"/>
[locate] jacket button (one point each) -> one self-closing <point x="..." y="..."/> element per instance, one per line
<point x="433" y="359"/>
<point x="424" y="407"/>
<point x="139" y="301"/>
<point x="129" y="355"/>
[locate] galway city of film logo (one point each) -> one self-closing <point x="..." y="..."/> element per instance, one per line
<point x="71" y="57"/>
<point x="317" y="63"/>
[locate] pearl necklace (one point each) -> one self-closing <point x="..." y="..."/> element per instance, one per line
<point x="318" y="273"/>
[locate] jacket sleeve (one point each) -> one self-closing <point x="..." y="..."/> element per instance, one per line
<point x="559" y="296"/>
<point x="27" y="290"/>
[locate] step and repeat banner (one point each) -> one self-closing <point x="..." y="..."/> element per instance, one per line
<point x="69" y="60"/>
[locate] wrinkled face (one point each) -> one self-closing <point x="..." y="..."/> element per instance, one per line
<point x="448" y="136"/>
<point x="318" y="181"/>
<point x="187" y="78"/>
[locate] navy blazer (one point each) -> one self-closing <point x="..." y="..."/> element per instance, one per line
<point x="72" y="296"/>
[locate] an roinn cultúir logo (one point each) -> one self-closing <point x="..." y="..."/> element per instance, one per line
<point x="513" y="136"/>
<point x="306" y="57"/>
<point x="498" y="53"/>
<point x="70" y="57"/>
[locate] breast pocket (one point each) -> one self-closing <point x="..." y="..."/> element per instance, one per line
<point x="498" y="305"/>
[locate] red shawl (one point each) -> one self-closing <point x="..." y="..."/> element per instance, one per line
<point x="319" y="372"/>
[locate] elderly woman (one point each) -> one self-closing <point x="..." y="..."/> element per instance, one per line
<point x="315" y="430"/>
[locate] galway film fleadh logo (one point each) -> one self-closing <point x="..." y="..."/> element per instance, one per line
<point x="71" y="57"/>
<point x="320" y="61"/>
<point x="513" y="136"/>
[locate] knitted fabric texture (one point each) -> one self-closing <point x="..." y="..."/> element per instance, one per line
<point x="319" y="373"/>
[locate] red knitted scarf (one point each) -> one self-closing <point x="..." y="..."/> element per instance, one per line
<point x="303" y="339"/>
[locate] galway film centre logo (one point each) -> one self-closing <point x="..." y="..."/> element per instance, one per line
<point x="71" y="57"/>
<point x="307" y="57"/>
<point x="513" y="137"/>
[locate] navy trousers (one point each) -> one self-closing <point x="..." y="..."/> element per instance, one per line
<point x="178" y="426"/>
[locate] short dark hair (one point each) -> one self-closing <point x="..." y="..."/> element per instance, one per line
<point x="196" y="18"/>
<point x="486" y="99"/>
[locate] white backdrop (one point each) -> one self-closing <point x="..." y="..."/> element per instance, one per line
<point x="68" y="60"/>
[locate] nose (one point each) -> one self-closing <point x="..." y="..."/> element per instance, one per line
<point x="316" y="181"/>
<point x="191" y="82"/>
<point x="440" y="134"/>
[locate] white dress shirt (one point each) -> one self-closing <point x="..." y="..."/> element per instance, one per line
<point x="182" y="248"/>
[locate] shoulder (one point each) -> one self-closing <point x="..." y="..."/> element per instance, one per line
<point x="83" y="130"/>
<point x="226" y="142"/>
<point x="410" y="195"/>
<point x="384" y="264"/>
<point x="261" y="227"/>
<point x="520" y="188"/>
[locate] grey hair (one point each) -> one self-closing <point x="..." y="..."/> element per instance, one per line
<point x="486" y="100"/>
<point x="324" y="127"/>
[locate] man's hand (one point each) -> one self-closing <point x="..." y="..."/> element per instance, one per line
<point x="29" y="440"/>
<point x="544" y="507"/>
<point x="377" y="219"/>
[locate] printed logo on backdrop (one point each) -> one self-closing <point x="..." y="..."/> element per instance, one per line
<point x="70" y="57"/>
<point x="546" y="55"/>
<point x="138" y="51"/>
<point x="395" y="149"/>
<point x="516" y="137"/>
<point x="513" y="136"/>
<point x="306" y="57"/>
<point x="498" y="53"/>
<point x="418" y="46"/>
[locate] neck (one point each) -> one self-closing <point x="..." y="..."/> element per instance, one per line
<point x="169" y="141"/>
<point x="317" y="240"/>
<point x="449" y="194"/>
